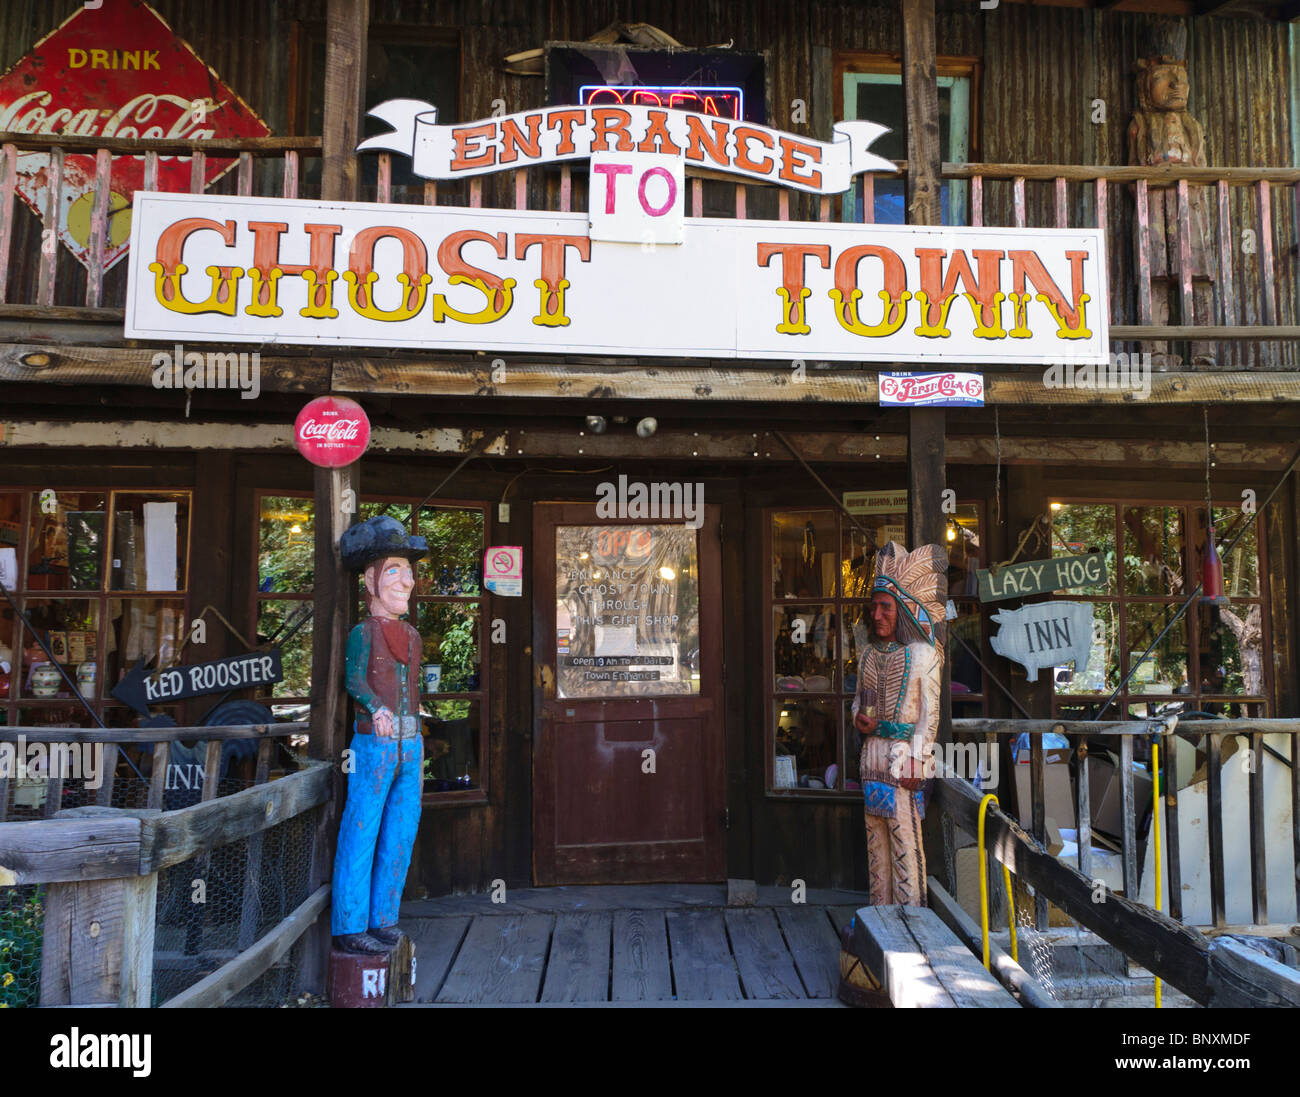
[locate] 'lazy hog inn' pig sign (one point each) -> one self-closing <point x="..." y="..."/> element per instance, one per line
<point x="303" y="272"/>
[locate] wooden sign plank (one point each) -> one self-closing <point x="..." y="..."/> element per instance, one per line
<point x="1042" y="576"/>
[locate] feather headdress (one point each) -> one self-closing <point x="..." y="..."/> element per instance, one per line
<point x="916" y="580"/>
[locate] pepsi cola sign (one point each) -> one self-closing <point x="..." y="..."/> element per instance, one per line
<point x="915" y="390"/>
<point x="332" y="431"/>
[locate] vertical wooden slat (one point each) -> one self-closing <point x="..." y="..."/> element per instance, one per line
<point x="697" y="197"/>
<point x="290" y="175"/>
<point x="8" y="185"/>
<point x="1188" y="313"/>
<point x="1018" y="199"/>
<point x="1038" y="816"/>
<point x="53" y="796"/>
<point x="1143" y="253"/>
<point x="1101" y="203"/>
<point x="1214" y="808"/>
<point x="977" y="201"/>
<point x="824" y="208"/>
<point x="265" y="752"/>
<point x="521" y="189"/>
<point x="1295" y="812"/>
<point x="1128" y="829"/>
<point x="198" y="171"/>
<point x="1083" y="817"/>
<point x="431" y="192"/>
<point x="158" y="778"/>
<point x="1173" y="862"/>
<point x="244" y="177"/>
<point x="250" y="907"/>
<point x="868" y="213"/>
<point x="1258" y="876"/>
<point x="151" y="171"/>
<point x="104" y="794"/>
<point x="740" y="201"/>
<point x="384" y="178"/>
<point x="566" y="189"/>
<point x="1227" y="295"/>
<point x="211" y="769"/>
<point x="50" y="232"/>
<point x="1062" y="214"/>
<point x="783" y="205"/>
<point x="98" y="228"/>
<point x="1265" y="199"/>
<point x="476" y="192"/>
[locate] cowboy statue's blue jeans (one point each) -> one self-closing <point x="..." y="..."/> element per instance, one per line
<point x="380" y="819"/>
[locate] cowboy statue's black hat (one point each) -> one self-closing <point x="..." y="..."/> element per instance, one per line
<point x="377" y="539"/>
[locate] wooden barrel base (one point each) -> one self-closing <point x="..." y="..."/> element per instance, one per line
<point x="359" y="980"/>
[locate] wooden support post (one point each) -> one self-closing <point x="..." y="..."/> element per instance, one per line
<point x="1038" y="817"/>
<point x="1214" y="811"/>
<point x="1173" y="875"/>
<point x="1128" y="817"/>
<point x="1258" y="876"/>
<point x="346" y="31"/>
<point x="926" y="456"/>
<point x="98" y="942"/>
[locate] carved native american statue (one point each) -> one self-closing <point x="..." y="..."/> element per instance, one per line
<point x="900" y="681"/>
<point x="1162" y="132"/>
<point x="382" y="811"/>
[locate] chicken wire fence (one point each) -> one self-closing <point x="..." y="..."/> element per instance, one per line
<point x="209" y="908"/>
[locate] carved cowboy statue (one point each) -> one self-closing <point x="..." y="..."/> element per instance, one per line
<point x="383" y="800"/>
<point x="1162" y="132"/>
<point x="900" y="680"/>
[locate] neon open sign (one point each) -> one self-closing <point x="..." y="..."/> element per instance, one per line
<point x="720" y="102"/>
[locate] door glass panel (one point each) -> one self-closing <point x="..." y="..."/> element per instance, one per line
<point x="626" y="611"/>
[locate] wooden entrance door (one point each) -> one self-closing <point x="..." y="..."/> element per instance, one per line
<point x="628" y="774"/>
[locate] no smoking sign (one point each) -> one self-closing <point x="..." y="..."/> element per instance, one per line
<point x="503" y="570"/>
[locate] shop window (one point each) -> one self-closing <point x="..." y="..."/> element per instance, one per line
<point x="870" y="87"/>
<point x="1209" y="660"/>
<point x="102" y="578"/>
<point x="447" y="610"/>
<point x="821" y="563"/>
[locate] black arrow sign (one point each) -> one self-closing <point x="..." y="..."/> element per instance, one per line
<point x="141" y="688"/>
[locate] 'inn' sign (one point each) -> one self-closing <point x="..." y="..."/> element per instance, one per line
<point x="1042" y="576"/>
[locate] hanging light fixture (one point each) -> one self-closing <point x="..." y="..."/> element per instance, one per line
<point x="1211" y="565"/>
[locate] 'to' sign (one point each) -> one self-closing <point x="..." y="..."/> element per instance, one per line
<point x="637" y="198"/>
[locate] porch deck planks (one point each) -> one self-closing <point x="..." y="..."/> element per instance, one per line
<point x="642" y="971"/>
<point x="766" y="969"/>
<point x="501" y="960"/>
<point x="702" y="963"/>
<point x="578" y="967"/>
<point x="436" y="941"/>
<point x="814" y="946"/>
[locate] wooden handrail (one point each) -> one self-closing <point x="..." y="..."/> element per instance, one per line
<point x="152" y="735"/>
<point x="1117" y="173"/>
<point x="257" y="146"/>
<point x="1289" y="725"/>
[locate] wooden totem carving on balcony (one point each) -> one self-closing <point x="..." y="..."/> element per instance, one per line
<point x="1161" y="132"/>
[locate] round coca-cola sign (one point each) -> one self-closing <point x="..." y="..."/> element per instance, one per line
<point x="332" y="431"/>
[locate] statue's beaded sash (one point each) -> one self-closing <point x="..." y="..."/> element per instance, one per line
<point x="889" y="666"/>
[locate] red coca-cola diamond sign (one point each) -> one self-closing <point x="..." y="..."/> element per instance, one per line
<point x="116" y="70"/>
<point x="332" y="431"/>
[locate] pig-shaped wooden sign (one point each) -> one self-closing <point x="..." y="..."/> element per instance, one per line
<point x="1045" y="634"/>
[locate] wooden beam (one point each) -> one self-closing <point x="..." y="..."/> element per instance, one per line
<point x="233" y="976"/>
<point x="258" y="146"/>
<point x="53" y="850"/>
<point x="1155" y="176"/>
<point x="176" y="836"/>
<point x="150" y="735"/>
<point x="346" y="26"/>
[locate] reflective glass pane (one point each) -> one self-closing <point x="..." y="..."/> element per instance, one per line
<point x="1102" y="672"/>
<point x="68" y="627"/>
<point x="1082" y="528"/>
<point x="965" y="552"/>
<point x="806" y="743"/>
<point x="151" y="533"/>
<point x="1154" y="551"/>
<point x="454" y="565"/>
<point x="804" y="648"/>
<point x="451" y="743"/>
<point x="1241" y="565"/>
<point x="855" y="634"/>
<point x="966" y="674"/>
<point x="1165" y="669"/>
<point x="451" y="644"/>
<point x="626" y="610"/>
<point x="151" y="629"/>
<point x="1232" y="649"/>
<point x="277" y="618"/>
<point x="286" y="545"/>
<point x="857" y="561"/>
<point x="804" y="554"/>
<point x="66" y="541"/>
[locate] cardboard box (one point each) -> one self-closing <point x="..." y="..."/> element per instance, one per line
<point x="1104" y="796"/>
<point x="1058" y="791"/>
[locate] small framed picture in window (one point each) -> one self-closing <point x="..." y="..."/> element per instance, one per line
<point x="784" y="774"/>
<point x="58" y="641"/>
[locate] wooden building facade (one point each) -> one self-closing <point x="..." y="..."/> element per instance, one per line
<point x="754" y="760"/>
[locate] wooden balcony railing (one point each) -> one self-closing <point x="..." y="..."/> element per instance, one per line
<point x="1254" y="216"/>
